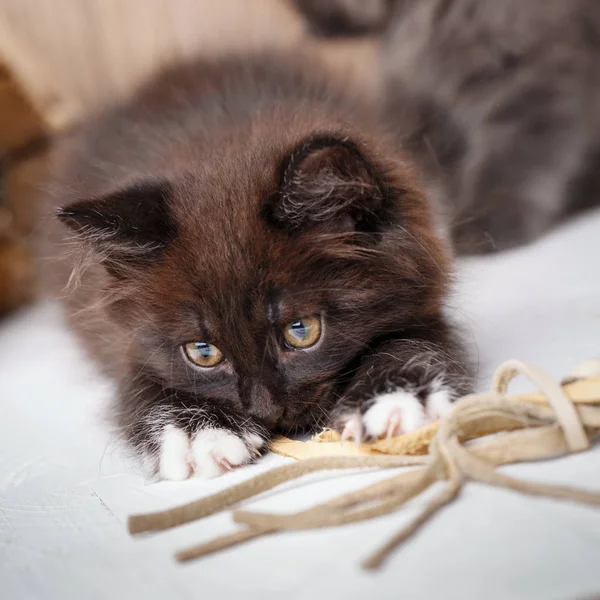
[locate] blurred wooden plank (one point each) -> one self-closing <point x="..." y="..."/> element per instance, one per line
<point x="73" y="57"/>
<point x="19" y="123"/>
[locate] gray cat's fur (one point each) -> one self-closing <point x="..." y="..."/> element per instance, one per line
<point x="499" y="101"/>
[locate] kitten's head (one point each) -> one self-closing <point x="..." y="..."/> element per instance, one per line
<point x="260" y="277"/>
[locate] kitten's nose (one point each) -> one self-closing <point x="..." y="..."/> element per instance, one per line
<point x="262" y="406"/>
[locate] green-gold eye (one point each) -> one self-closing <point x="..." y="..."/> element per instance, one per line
<point x="203" y="354"/>
<point x="303" y="333"/>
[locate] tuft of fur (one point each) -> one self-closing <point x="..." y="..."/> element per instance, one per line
<point x="254" y="193"/>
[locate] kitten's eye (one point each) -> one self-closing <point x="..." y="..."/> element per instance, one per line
<point x="303" y="333"/>
<point x="203" y="354"/>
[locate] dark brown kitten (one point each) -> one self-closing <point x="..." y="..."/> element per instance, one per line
<point x="258" y="260"/>
<point x="497" y="99"/>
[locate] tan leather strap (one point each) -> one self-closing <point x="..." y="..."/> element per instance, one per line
<point x="531" y="431"/>
<point x="565" y="411"/>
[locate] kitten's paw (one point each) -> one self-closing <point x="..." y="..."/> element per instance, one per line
<point x="216" y="451"/>
<point x="209" y="453"/>
<point x="393" y="414"/>
<point x="396" y="413"/>
<point x="352" y="428"/>
<point x="173" y="462"/>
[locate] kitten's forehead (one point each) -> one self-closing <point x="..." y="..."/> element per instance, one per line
<point x="265" y="231"/>
<point x="219" y="197"/>
<point x="231" y="274"/>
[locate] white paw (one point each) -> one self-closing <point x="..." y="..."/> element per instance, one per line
<point x="173" y="463"/>
<point x="396" y="413"/>
<point x="438" y="404"/>
<point x="353" y="428"/>
<point x="209" y="453"/>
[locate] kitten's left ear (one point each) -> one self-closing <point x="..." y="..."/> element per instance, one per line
<point x="329" y="183"/>
<point x="131" y="224"/>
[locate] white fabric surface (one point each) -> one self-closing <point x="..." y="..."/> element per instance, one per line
<point x="66" y="488"/>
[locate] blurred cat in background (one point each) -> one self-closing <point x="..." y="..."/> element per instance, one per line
<point x="498" y="101"/>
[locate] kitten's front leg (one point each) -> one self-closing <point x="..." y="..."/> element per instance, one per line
<point x="179" y="435"/>
<point x="403" y="385"/>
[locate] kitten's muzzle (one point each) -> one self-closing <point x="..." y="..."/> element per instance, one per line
<point x="262" y="406"/>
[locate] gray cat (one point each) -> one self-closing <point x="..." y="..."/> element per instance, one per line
<point x="499" y="100"/>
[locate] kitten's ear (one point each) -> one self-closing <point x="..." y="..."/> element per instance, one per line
<point x="133" y="223"/>
<point x="327" y="182"/>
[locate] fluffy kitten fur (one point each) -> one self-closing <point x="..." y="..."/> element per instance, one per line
<point x="498" y="101"/>
<point x="224" y="201"/>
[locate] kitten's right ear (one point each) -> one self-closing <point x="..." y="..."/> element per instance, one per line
<point x="328" y="182"/>
<point x="132" y="224"/>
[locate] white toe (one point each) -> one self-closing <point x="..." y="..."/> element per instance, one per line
<point x="255" y="442"/>
<point x="216" y="451"/>
<point x="438" y="404"/>
<point x="174" y="453"/>
<point x="353" y="429"/>
<point x="394" y="413"/>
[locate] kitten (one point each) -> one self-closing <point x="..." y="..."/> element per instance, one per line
<point x="496" y="99"/>
<point x="258" y="259"/>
